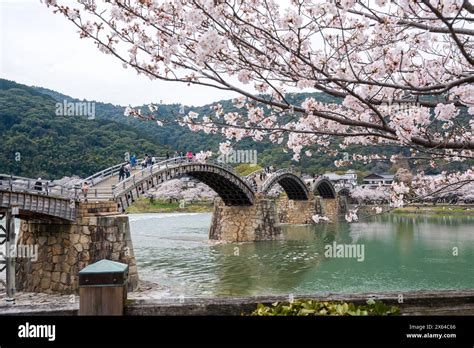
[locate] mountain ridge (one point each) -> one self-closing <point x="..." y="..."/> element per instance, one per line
<point x="135" y="136"/>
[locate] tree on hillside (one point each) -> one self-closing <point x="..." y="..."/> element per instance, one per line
<point x="403" y="70"/>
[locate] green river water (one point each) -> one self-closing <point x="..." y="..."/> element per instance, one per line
<point x="400" y="253"/>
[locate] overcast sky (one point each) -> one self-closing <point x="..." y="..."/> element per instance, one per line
<point x="40" y="48"/>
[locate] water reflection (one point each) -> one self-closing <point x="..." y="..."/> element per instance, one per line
<point x="401" y="253"/>
<point x="268" y="267"/>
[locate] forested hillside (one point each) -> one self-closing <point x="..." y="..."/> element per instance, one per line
<point x="35" y="142"/>
<point x="53" y="146"/>
<point x="182" y="139"/>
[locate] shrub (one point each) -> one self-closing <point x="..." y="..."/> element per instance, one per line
<point x="318" y="308"/>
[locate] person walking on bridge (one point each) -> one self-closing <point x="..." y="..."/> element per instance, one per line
<point x="145" y="161"/>
<point x="133" y="161"/>
<point x="128" y="169"/>
<point x="148" y="160"/>
<point x="121" y="173"/>
<point x="254" y="184"/>
<point x="85" y="189"/>
<point x="189" y="155"/>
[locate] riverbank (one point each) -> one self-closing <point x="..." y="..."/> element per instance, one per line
<point x="436" y="210"/>
<point x="145" y="206"/>
<point x="146" y="302"/>
<point x="431" y="210"/>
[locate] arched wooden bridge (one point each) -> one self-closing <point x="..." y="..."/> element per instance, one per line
<point x="43" y="199"/>
<point x="36" y="199"/>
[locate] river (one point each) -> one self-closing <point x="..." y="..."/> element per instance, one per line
<point x="401" y="253"/>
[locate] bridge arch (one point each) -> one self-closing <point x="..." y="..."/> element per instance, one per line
<point x="233" y="189"/>
<point x="324" y="188"/>
<point x="291" y="183"/>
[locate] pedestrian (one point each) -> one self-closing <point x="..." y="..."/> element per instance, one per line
<point x="149" y="161"/>
<point x="128" y="169"/>
<point x="121" y="172"/>
<point x="153" y="160"/>
<point x="254" y="184"/>
<point x="133" y="161"/>
<point x="167" y="155"/>
<point x="85" y="189"/>
<point x="145" y="161"/>
<point x="189" y="155"/>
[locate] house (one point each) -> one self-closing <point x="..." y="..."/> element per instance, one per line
<point x="375" y="179"/>
<point x="349" y="179"/>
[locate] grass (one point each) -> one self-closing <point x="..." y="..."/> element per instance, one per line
<point x="246" y="169"/>
<point x="439" y="210"/>
<point x="144" y="205"/>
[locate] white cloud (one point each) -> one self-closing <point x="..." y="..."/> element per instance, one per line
<point x="38" y="47"/>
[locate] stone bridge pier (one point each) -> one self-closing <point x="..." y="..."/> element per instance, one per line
<point x="329" y="207"/>
<point x="245" y="223"/>
<point x="261" y="221"/>
<point x="64" y="248"/>
<point x="296" y="211"/>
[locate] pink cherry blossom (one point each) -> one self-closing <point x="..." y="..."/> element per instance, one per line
<point x="365" y="55"/>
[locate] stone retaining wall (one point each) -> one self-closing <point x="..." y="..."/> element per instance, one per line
<point x="65" y="248"/>
<point x="437" y="302"/>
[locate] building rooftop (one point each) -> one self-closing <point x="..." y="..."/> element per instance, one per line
<point x="380" y="176"/>
<point x="335" y="176"/>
